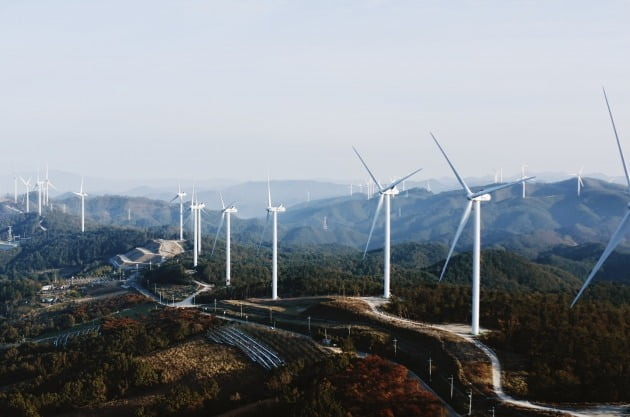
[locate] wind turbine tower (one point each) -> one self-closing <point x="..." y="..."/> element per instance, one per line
<point x="81" y="194"/>
<point x="273" y="211"/>
<point x="225" y="215"/>
<point x="193" y="212"/>
<point x="523" y="182"/>
<point x="580" y="183"/>
<point x="27" y="185"/>
<point x="180" y="194"/>
<point x="48" y="184"/>
<point x="621" y="229"/>
<point x="474" y="203"/>
<point x="40" y="194"/>
<point x="385" y="195"/>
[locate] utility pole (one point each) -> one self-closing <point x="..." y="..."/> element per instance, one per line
<point x="349" y="327"/>
<point x="492" y="411"/>
<point x="173" y="300"/>
<point x="451" y="379"/>
<point x="470" y="402"/>
<point x="215" y="306"/>
<point x="395" y="347"/>
<point x="430" y="363"/>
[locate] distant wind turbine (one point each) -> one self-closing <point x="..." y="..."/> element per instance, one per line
<point x="385" y="194"/>
<point x="523" y="182"/>
<point x="81" y="194"/>
<point x="48" y="184"/>
<point x="180" y="194"/>
<point x="40" y="194"/>
<point x="474" y="203"/>
<point x="193" y="212"/>
<point x="27" y="185"/>
<point x="273" y="211"/>
<point x="619" y="233"/>
<point x="226" y="213"/>
<point x="15" y="188"/>
<point x="580" y="183"/>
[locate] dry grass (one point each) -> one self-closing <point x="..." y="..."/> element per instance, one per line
<point x="198" y="359"/>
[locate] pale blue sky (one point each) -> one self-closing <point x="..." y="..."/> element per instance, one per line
<point x="206" y="89"/>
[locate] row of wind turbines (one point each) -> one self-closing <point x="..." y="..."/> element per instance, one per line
<point x="386" y="192"/>
<point x="43" y="187"/>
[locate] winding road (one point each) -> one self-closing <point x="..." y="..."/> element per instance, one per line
<point x="463" y="331"/>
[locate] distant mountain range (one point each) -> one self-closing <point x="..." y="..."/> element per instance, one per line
<point x="551" y="215"/>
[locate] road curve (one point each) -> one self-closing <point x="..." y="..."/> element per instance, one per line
<point x="462" y="331"/>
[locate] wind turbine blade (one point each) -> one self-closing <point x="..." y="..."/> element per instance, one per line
<point x="368" y="169"/>
<point x="262" y="235"/>
<point x="395" y="183"/>
<point x="268" y="194"/>
<point x="216" y="237"/>
<point x="378" y="209"/>
<point x="623" y="160"/>
<point x="581" y="182"/>
<point x="222" y="202"/>
<point x="459" y="178"/>
<point x="173" y="199"/>
<point x="500" y="187"/>
<point x="614" y="241"/>
<point x="458" y="233"/>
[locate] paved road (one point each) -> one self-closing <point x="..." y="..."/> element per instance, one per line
<point x="463" y="331"/>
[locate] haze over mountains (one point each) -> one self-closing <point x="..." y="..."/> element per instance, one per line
<point x="551" y="215"/>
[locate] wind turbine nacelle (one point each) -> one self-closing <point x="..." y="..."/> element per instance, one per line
<point x="281" y="209"/>
<point x="484" y="197"/>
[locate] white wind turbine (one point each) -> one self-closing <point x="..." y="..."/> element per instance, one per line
<point x="15" y="188"/>
<point x="580" y="183"/>
<point x="193" y="212"/>
<point x="48" y="184"/>
<point x="40" y="184"/>
<point x="40" y="195"/>
<point x="180" y="194"/>
<point x="27" y="185"/>
<point x="523" y="182"/>
<point x="385" y="194"/>
<point x="81" y="194"/>
<point x="618" y="235"/>
<point x="225" y="216"/>
<point x="474" y="203"/>
<point x="498" y="176"/>
<point x="273" y="211"/>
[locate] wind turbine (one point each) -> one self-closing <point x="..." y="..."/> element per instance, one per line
<point x="225" y="215"/>
<point x="15" y="188"/>
<point x="193" y="211"/>
<point x="48" y="184"/>
<point x="27" y="184"/>
<point x="580" y="183"/>
<point x="474" y="203"/>
<point x="81" y="194"/>
<point x="273" y="211"/>
<point x="40" y="193"/>
<point x="385" y="194"/>
<point x="523" y="182"/>
<point x="618" y="235"/>
<point x="180" y="194"/>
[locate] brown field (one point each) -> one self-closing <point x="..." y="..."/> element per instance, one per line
<point x="198" y="359"/>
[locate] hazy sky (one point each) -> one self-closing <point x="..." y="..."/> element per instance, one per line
<point x="207" y="89"/>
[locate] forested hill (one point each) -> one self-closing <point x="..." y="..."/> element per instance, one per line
<point x="61" y="245"/>
<point x="551" y="215"/>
